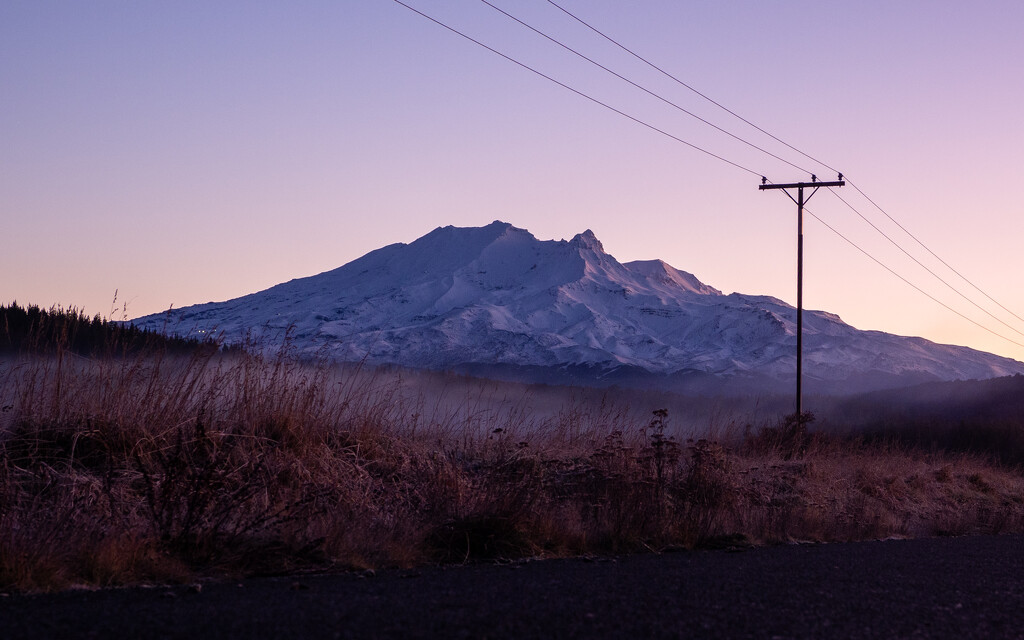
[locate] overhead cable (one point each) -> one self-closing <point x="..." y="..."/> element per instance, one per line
<point x="808" y="156"/>
<point x="578" y="92"/>
<point x="914" y="286"/>
<point x="642" y="88"/>
<point x="924" y="266"/>
<point x="677" y="80"/>
<point x="730" y="162"/>
<point x="946" y="264"/>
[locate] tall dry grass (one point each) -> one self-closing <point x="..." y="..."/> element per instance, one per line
<point x="159" y="467"/>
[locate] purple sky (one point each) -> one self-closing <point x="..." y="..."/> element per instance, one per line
<point x="193" y="151"/>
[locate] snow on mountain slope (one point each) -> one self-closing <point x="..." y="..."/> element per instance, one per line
<point x="496" y="296"/>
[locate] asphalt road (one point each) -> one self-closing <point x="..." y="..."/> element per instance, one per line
<point x="937" y="588"/>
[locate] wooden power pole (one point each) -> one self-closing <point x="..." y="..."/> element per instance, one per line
<point x="800" y="202"/>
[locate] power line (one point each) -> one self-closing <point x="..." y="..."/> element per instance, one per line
<point x="642" y="88"/>
<point x="821" y="162"/>
<point x="914" y="286"/>
<point x="677" y="80"/>
<point x="924" y="266"/>
<point x="727" y="161"/>
<point x="578" y="92"/>
<point x="946" y="264"/>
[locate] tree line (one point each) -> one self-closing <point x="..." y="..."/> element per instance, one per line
<point x="33" y="330"/>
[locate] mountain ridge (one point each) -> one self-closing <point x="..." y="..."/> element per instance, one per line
<point x="496" y="297"/>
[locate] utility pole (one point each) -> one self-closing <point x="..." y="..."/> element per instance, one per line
<point x="800" y="202"/>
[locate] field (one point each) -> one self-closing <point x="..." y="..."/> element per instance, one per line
<point x="157" y="465"/>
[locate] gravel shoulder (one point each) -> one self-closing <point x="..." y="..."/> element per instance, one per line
<point x="971" y="587"/>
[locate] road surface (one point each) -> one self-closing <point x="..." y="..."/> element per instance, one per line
<point x="969" y="587"/>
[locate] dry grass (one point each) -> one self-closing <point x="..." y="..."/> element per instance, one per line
<point x="160" y="468"/>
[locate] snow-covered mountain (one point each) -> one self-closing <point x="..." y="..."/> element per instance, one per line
<point x="495" y="300"/>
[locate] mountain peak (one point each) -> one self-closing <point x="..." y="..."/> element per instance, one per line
<point x="588" y="240"/>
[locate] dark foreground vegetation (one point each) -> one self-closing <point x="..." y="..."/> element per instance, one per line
<point x="158" y="465"/>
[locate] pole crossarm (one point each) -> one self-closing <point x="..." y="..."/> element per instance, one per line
<point x="800" y="185"/>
